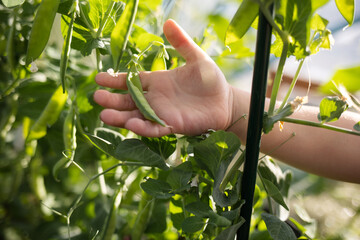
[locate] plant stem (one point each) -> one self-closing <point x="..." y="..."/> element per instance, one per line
<point x="98" y="60"/>
<point x="320" y="125"/>
<point x="277" y="79"/>
<point x="292" y="85"/>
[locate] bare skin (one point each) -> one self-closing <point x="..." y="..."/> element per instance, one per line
<point x="196" y="97"/>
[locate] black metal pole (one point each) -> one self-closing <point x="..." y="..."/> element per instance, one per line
<point x="256" y="113"/>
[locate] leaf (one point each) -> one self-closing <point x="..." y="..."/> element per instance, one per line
<point x="102" y="144"/>
<point x="230" y="196"/>
<point x="278" y="229"/>
<point x="217" y="220"/>
<point x="274" y="193"/>
<point x="199" y="209"/>
<point x="357" y="126"/>
<point x="121" y="32"/>
<point x="241" y="22"/>
<point x="219" y="146"/>
<point x="180" y="176"/>
<point x="192" y="224"/>
<point x="347" y="9"/>
<point x="157" y="222"/>
<point x="157" y="188"/>
<point x="134" y="150"/>
<point x="109" y="135"/>
<point x="348" y="77"/>
<point x="331" y="109"/>
<point x="230" y="232"/>
<point x="142" y="39"/>
<point x="164" y="146"/>
<point x="12" y="3"/>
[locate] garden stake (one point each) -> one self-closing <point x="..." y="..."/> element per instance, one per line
<point x="256" y="114"/>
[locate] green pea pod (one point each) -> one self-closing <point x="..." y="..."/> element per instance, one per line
<point x="241" y="22"/>
<point x="159" y="62"/>
<point x="69" y="134"/>
<point x="135" y="89"/>
<point x="66" y="50"/>
<point x="49" y="115"/>
<point x="121" y="32"/>
<point x="41" y="29"/>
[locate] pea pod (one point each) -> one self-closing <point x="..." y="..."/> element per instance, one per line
<point x="49" y="115"/>
<point x="66" y="50"/>
<point x="241" y="22"/>
<point x="121" y="32"/>
<point x="136" y="91"/>
<point x="41" y="29"/>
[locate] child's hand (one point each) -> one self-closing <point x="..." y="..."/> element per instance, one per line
<point x="190" y="99"/>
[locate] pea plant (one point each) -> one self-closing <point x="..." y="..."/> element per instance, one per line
<point x="66" y="175"/>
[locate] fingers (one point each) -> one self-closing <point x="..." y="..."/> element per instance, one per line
<point x="134" y="121"/>
<point x="114" y="100"/>
<point x="119" y="82"/>
<point x="182" y="42"/>
<point x="106" y="80"/>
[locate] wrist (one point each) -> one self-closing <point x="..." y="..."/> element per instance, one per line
<point x="239" y="113"/>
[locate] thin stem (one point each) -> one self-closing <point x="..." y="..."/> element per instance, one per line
<point x="98" y="60"/>
<point x="277" y="79"/>
<point x="265" y="11"/>
<point x="279" y="146"/>
<point x="292" y="85"/>
<point x="320" y="125"/>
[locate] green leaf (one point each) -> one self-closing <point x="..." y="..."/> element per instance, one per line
<point x="331" y="109"/>
<point x="157" y="222"/>
<point x="102" y="144"/>
<point x="274" y="193"/>
<point x="109" y="135"/>
<point x="230" y="232"/>
<point x="180" y="176"/>
<point x="121" y="32"/>
<point x="357" y="126"/>
<point x="134" y="150"/>
<point x="347" y="9"/>
<point x="217" y="220"/>
<point x="241" y="22"/>
<point x="192" y="224"/>
<point x="142" y="39"/>
<point x="219" y="146"/>
<point x="199" y="209"/>
<point x="348" y="77"/>
<point x="230" y="196"/>
<point x="238" y="49"/>
<point x="164" y="146"/>
<point x="12" y="3"/>
<point x="157" y="188"/>
<point x="318" y="23"/>
<point x="278" y="229"/>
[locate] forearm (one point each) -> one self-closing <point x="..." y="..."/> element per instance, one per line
<point x="315" y="150"/>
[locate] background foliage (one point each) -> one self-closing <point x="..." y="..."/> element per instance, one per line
<point x="65" y="175"/>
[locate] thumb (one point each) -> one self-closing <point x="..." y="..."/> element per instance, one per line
<point x="182" y="42"/>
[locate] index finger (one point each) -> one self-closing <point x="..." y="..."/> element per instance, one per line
<point x="116" y="82"/>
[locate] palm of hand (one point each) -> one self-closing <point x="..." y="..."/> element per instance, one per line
<point x="191" y="99"/>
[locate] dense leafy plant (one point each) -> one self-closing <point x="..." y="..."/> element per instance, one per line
<point x="66" y="176"/>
